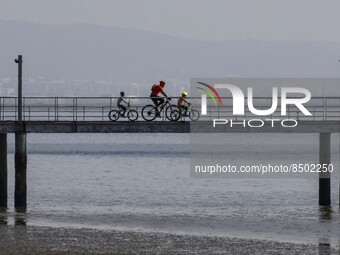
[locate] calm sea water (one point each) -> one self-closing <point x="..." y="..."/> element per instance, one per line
<point x="142" y="182"/>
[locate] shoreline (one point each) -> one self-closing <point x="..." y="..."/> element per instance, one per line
<point x="53" y="240"/>
<point x="298" y="230"/>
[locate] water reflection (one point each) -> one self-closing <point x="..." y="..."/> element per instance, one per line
<point x="324" y="246"/>
<point x="325" y="212"/>
<point x="3" y="216"/>
<point x="20" y="217"/>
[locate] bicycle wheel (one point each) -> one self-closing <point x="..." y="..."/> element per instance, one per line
<point x="149" y="112"/>
<point x="168" y="112"/>
<point x="194" y="115"/>
<point x="175" y="115"/>
<point x="132" y="115"/>
<point x="114" y="115"/>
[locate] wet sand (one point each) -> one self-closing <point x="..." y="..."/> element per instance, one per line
<point x="47" y="240"/>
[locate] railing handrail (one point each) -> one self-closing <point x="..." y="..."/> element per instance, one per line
<point x="148" y="97"/>
<point x="54" y="108"/>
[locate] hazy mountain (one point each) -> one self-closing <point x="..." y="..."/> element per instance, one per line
<point x="85" y="51"/>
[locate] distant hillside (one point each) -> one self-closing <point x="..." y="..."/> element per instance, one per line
<point x="85" y="51"/>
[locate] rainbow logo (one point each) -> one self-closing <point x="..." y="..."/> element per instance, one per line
<point x="210" y="92"/>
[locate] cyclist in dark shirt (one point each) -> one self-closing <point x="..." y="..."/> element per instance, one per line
<point x="120" y="105"/>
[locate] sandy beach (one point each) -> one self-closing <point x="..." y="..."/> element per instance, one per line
<point x="47" y="240"/>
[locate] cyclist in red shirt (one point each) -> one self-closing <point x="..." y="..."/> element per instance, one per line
<point x="155" y="90"/>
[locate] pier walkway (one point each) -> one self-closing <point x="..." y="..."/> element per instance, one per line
<point x="90" y="115"/>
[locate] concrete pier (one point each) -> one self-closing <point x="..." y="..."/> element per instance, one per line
<point x="20" y="196"/>
<point x="3" y="171"/>
<point x="20" y="129"/>
<point x="325" y="177"/>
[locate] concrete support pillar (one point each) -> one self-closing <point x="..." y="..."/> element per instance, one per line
<point x="3" y="171"/>
<point x="325" y="177"/>
<point x="20" y="196"/>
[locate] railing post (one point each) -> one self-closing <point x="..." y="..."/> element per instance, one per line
<point x="15" y="108"/>
<point x="73" y="103"/>
<point x="324" y="108"/>
<point x="325" y="177"/>
<point x="102" y="113"/>
<point x="56" y="108"/>
<point x="76" y="109"/>
<point x="0" y="107"/>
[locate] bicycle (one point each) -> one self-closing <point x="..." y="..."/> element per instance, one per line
<point x="191" y="113"/>
<point x="149" y="112"/>
<point x="114" y="115"/>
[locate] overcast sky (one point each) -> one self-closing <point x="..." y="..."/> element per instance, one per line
<point x="199" y="19"/>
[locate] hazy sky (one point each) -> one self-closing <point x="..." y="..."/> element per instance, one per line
<point x="317" y="20"/>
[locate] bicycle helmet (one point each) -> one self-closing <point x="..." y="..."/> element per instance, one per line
<point x="122" y="93"/>
<point x="162" y="83"/>
<point x="184" y="94"/>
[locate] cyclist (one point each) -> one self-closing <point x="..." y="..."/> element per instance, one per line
<point x="121" y="100"/>
<point x="157" y="100"/>
<point x="181" y="105"/>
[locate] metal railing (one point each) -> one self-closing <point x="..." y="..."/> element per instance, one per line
<point x="97" y="108"/>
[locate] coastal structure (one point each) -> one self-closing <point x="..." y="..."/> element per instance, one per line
<point x="90" y="115"/>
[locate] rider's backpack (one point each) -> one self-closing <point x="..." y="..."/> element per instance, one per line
<point x="153" y="87"/>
